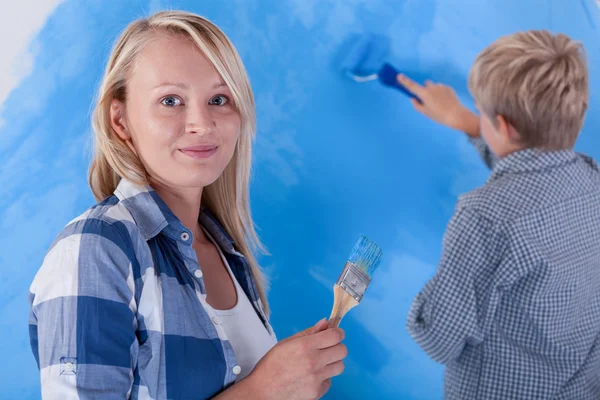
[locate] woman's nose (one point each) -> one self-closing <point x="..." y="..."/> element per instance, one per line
<point x="200" y="121"/>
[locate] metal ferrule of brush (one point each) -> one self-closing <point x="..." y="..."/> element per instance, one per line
<point x="354" y="281"/>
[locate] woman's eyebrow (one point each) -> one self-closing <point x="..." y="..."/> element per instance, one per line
<point x="181" y="85"/>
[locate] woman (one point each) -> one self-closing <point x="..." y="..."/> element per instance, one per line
<point x="155" y="292"/>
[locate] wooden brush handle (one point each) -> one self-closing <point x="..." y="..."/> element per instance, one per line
<point x="342" y="303"/>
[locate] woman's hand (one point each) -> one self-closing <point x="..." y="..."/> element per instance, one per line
<point x="441" y="104"/>
<point x="297" y="368"/>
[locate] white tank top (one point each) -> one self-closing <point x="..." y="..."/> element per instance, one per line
<point x="244" y="329"/>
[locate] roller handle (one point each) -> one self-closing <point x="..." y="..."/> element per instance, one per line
<point x="388" y="75"/>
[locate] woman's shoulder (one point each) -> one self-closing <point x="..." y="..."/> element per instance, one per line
<point x="108" y="221"/>
<point x="99" y="246"/>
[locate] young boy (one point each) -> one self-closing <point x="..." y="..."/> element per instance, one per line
<point x="513" y="310"/>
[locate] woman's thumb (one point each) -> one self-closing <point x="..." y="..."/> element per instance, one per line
<point x="318" y="327"/>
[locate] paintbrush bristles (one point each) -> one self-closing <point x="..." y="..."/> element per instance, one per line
<point x="366" y="255"/>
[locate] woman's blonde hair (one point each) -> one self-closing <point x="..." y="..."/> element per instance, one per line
<point x="538" y="81"/>
<point x="228" y="197"/>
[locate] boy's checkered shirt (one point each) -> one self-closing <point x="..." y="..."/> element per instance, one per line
<point x="513" y="310"/>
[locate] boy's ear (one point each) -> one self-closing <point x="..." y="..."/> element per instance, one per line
<point x="506" y="130"/>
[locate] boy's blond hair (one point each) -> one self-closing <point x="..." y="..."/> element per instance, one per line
<point x="538" y="82"/>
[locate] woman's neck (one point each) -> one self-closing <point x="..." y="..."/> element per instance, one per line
<point x="184" y="203"/>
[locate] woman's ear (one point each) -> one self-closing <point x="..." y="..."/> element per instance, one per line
<point x="117" y="120"/>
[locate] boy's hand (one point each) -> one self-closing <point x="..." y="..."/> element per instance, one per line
<point x="441" y="104"/>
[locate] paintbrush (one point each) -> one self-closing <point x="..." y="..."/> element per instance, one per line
<point x="354" y="279"/>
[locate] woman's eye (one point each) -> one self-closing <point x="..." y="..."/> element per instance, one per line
<point x="171" y="101"/>
<point x="218" y="100"/>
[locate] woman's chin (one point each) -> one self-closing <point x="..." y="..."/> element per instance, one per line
<point x="196" y="181"/>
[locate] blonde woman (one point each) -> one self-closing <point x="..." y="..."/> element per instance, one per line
<point x="155" y="291"/>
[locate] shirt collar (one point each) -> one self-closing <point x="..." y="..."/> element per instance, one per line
<point x="532" y="160"/>
<point x="152" y="216"/>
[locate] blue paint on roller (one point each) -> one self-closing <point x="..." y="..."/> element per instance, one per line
<point x="365" y="54"/>
<point x="365" y="62"/>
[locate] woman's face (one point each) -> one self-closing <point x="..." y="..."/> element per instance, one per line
<point x="179" y="115"/>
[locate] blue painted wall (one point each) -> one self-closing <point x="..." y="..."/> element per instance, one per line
<point x="333" y="158"/>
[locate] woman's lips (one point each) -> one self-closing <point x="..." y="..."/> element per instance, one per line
<point x="200" y="152"/>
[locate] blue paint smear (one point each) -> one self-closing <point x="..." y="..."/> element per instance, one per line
<point x="334" y="159"/>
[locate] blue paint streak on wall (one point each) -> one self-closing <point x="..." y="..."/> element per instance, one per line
<point x="334" y="159"/>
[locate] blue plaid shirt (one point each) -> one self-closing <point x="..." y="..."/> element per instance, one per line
<point x="513" y="310"/>
<point x="118" y="308"/>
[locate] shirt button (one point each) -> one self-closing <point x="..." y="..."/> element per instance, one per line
<point x="237" y="370"/>
<point x="216" y="321"/>
<point x="69" y="367"/>
<point x="198" y="273"/>
<point x="185" y="236"/>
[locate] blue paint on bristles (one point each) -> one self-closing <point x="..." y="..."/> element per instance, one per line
<point x="366" y="255"/>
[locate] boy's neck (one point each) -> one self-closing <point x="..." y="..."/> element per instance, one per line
<point x="508" y="149"/>
<point x="508" y="153"/>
